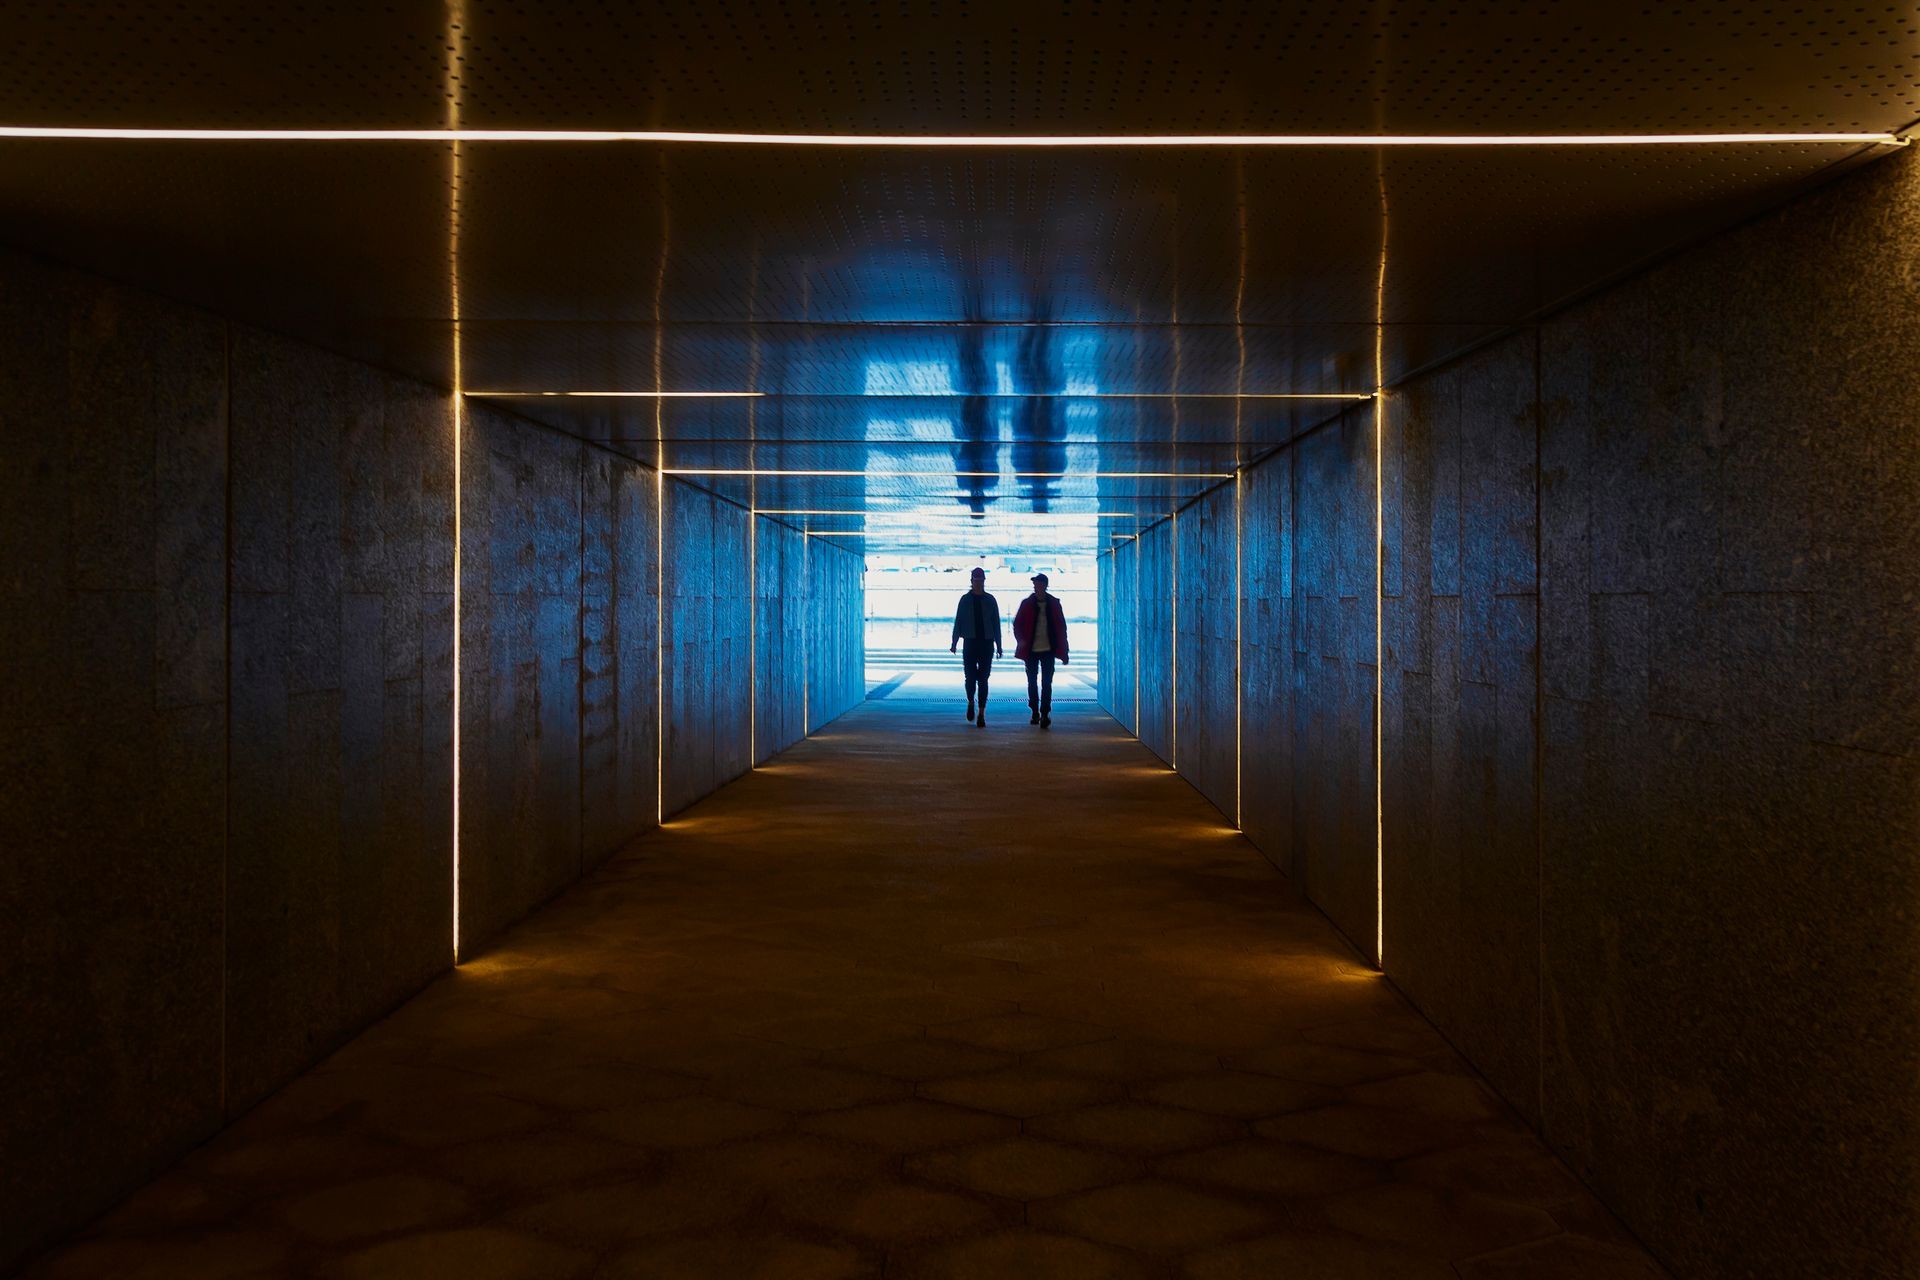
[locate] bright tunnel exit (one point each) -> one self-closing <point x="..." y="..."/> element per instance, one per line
<point x="912" y="600"/>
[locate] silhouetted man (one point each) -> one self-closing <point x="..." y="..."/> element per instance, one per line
<point x="1040" y="636"/>
<point x="976" y="623"/>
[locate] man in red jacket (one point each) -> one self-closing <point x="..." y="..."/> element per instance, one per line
<point x="1040" y="636"/>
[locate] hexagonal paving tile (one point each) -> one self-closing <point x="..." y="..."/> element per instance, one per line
<point x="1137" y="1127"/>
<point x="372" y="1207"/>
<point x="1019" y="1032"/>
<point x="1027" y="1255"/>
<point x="832" y="1030"/>
<point x="1021" y="1168"/>
<point x="1512" y="1168"/>
<point x="1404" y="1033"/>
<point x="890" y="1213"/>
<point x="1126" y="1058"/>
<point x="1562" y="1257"/>
<point x="480" y="1253"/>
<point x="768" y="1257"/>
<point x="781" y="1161"/>
<point x="1443" y="1097"/>
<point x="1322" y="1063"/>
<point x="542" y="1161"/>
<point x="1442" y="1224"/>
<point x="1238" y="1093"/>
<point x="1149" y="1215"/>
<point x="581" y="1088"/>
<point x="212" y="1254"/>
<point x="440" y="1119"/>
<point x="1313" y="1255"/>
<point x="1362" y="1131"/>
<point x="602" y="1216"/>
<point x="1265" y="1168"/>
<point x="1021" y="1091"/>
<point x="681" y="1122"/>
<point x="808" y="1088"/>
<point x="914" y="1125"/>
<point x="921" y="1058"/>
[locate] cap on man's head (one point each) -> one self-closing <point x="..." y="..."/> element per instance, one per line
<point x="979" y="573"/>
<point x="1040" y="578"/>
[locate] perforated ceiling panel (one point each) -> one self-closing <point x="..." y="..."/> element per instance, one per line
<point x="900" y="308"/>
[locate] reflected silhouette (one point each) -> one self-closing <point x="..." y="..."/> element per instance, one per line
<point x="978" y="441"/>
<point x="1040" y="430"/>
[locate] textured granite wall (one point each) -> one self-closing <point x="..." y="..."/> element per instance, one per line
<point x="1119" y="632"/>
<point x="1729" y="575"/>
<point x="1266" y="658"/>
<point x="226" y="756"/>
<point x="1204" y="612"/>
<point x="522" y="545"/>
<point x="835" y="600"/>
<point x="1332" y="694"/>
<point x="619" y="662"/>
<point x="1650" y="801"/>
<point x="1153" y="614"/>
<point x="339" y="812"/>
<point x="779" y="637"/>
<point x="1460" y="881"/>
<point x="113" y="717"/>
<point x="707" y="645"/>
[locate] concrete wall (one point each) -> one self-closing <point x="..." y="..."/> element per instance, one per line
<point x="1650" y="819"/>
<point x="226" y="710"/>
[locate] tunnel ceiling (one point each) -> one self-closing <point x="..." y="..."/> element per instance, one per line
<point x="1040" y="343"/>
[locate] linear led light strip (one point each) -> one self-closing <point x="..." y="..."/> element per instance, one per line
<point x="922" y="395"/>
<point x="965" y="475"/>
<point x="1147" y="140"/>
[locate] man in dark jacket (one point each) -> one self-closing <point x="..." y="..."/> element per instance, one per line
<point x="1040" y="636"/>
<point x="977" y="623"/>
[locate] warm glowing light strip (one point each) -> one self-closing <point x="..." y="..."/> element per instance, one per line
<point x="964" y="475"/>
<point x="925" y="395"/>
<point x="456" y="44"/>
<point x="620" y="395"/>
<point x="1018" y="140"/>
<point x="1380" y="597"/>
<point x="1239" y="679"/>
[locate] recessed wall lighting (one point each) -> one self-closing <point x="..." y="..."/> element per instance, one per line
<point x="1089" y="141"/>
<point x="617" y="395"/>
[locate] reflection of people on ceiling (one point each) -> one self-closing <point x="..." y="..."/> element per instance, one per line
<point x="978" y="447"/>
<point x="1040" y="430"/>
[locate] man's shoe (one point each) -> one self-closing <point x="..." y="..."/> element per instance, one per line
<point x="1035" y="719"/>
<point x="981" y="723"/>
<point x="1046" y="722"/>
<point x="969" y="708"/>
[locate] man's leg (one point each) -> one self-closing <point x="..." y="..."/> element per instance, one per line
<point x="1046" y="687"/>
<point x="1033" y="688"/>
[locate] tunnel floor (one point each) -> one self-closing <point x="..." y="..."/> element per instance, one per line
<point x="914" y="999"/>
